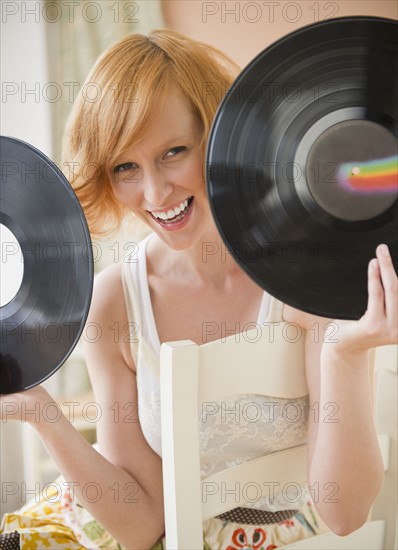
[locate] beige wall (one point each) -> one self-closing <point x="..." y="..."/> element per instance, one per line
<point x="244" y="28"/>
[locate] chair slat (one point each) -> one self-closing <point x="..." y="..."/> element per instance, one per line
<point x="245" y="483"/>
<point x="261" y="360"/>
<point x="181" y="463"/>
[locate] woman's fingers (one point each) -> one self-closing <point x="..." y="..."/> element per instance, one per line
<point x="379" y="325"/>
<point x="390" y="282"/>
<point x="375" y="292"/>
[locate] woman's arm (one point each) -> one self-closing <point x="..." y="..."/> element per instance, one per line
<point x="128" y="477"/>
<point x="345" y="469"/>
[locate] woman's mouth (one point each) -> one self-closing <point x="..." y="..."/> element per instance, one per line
<point x="174" y="218"/>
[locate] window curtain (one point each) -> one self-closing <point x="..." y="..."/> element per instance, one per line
<point x="77" y="33"/>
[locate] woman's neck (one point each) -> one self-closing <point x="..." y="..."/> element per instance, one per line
<point x="206" y="262"/>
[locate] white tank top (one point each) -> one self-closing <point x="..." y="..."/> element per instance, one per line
<point x="227" y="438"/>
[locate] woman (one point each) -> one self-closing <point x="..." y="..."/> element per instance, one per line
<point x="145" y="139"/>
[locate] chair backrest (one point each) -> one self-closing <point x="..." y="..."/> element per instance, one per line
<point x="256" y="362"/>
<point x="193" y="376"/>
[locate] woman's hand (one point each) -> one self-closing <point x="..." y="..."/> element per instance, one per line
<point x="379" y="324"/>
<point x="30" y="406"/>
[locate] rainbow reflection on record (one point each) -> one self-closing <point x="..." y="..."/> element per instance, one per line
<point x="376" y="176"/>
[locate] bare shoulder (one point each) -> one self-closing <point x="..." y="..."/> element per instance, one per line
<point x="107" y="288"/>
<point x="107" y="319"/>
<point x="302" y="318"/>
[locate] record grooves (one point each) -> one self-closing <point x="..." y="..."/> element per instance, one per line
<point x="41" y="325"/>
<point x="301" y="164"/>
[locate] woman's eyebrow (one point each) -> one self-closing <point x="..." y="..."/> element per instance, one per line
<point x="174" y="139"/>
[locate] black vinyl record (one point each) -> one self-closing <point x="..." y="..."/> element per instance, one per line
<point x="42" y="323"/>
<point x="301" y="163"/>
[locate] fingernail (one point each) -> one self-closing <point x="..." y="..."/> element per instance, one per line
<point x="384" y="249"/>
<point x="374" y="264"/>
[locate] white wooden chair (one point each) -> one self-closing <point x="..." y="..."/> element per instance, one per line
<point x="192" y="375"/>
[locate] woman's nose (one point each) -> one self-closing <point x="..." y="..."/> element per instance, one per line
<point x="157" y="188"/>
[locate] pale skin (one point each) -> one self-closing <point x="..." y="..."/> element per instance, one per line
<point x="163" y="169"/>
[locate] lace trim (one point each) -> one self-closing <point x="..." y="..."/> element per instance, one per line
<point x="249" y="427"/>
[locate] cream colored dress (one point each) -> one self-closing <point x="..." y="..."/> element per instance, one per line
<point x="226" y="439"/>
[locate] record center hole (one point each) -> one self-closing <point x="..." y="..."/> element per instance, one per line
<point x="11" y="265"/>
<point x="355" y="171"/>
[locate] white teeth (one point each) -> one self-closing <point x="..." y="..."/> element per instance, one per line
<point x="170" y="214"/>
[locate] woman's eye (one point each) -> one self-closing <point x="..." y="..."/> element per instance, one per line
<point x="125" y="167"/>
<point x="174" y="151"/>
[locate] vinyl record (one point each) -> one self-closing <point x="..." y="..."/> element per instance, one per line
<point x="302" y="165"/>
<point x="42" y="322"/>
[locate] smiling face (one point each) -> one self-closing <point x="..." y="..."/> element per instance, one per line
<point x="134" y="74"/>
<point x="160" y="178"/>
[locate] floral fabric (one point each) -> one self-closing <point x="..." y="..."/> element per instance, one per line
<point x="58" y="521"/>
